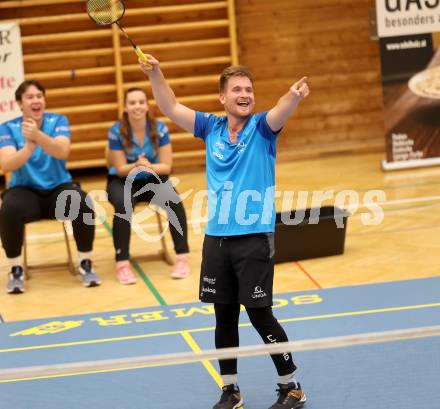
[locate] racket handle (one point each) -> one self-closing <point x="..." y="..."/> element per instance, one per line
<point x="142" y="56"/>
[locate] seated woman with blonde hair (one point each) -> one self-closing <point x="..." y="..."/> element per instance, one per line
<point x="140" y="153"/>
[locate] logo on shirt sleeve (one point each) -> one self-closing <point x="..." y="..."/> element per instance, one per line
<point x="162" y="131"/>
<point x="5" y="138"/>
<point x="113" y="136"/>
<point x="62" y="129"/>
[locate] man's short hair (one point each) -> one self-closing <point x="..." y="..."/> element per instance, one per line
<point x="22" y="88"/>
<point x="234" y="71"/>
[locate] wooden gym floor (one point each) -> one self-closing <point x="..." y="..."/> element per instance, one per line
<point x="405" y="245"/>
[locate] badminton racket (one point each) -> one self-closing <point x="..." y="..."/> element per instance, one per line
<point x="108" y="12"/>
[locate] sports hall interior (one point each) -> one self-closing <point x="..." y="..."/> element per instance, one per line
<point x="382" y="284"/>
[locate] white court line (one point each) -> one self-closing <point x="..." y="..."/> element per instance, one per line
<point x="401" y="201"/>
<point x="200" y="220"/>
<point x="99" y="230"/>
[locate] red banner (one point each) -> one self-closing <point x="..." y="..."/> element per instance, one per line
<point x="11" y="69"/>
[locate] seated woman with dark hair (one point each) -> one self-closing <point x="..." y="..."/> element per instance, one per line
<point x="140" y="153"/>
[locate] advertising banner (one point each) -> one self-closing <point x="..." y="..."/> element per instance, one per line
<point x="409" y="36"/>
<point x="11" y="69"/>
<point x="406" y="17"/>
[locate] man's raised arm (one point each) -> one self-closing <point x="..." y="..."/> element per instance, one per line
<point x="165" y="98"/>
<point x="286" y="105"/>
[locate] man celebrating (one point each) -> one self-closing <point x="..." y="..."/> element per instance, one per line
<point x="238" y="249"/>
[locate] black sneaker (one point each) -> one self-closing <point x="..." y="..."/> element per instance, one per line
<point x="290" y="396"/>
<point x="86" y="274"/>
<point x="230" y="399"/>
<point x="15" y="280"/>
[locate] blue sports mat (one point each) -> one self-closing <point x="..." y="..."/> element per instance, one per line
<point x="397" y="375"/>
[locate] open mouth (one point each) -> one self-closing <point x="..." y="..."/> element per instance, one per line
<point x="243" y="103"/>
<point x="36" y="110"/>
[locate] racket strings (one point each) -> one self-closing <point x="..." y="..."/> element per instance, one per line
<point x="105" y="12"/>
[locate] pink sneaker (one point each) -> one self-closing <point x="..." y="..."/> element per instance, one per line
<point x="124" y="273"/>
<point x="181" y="268"/>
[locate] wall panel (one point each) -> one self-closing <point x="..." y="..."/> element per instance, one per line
<point x="327" y="40"/>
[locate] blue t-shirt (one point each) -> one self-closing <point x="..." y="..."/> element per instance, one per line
<point x="116" y="143"/>
<point x="41" y="171"/>
<point x="240" y="176"/>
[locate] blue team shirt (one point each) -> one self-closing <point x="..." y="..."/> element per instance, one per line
<point x="41" y="171"/>
<point x="116" y="143"/>
<point x="240" y="176"/>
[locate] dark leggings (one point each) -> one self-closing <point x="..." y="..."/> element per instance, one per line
<point x="23" y="205"/>
<point x="263" y="320"/>
<point x="160" y="193"/>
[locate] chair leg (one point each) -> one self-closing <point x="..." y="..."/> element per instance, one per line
<point x="165" y="253"/>
<point x="25" y="258"/>
<point x="69" y="252"/>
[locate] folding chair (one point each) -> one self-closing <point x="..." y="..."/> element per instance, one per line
<point x="69" y="262"/>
